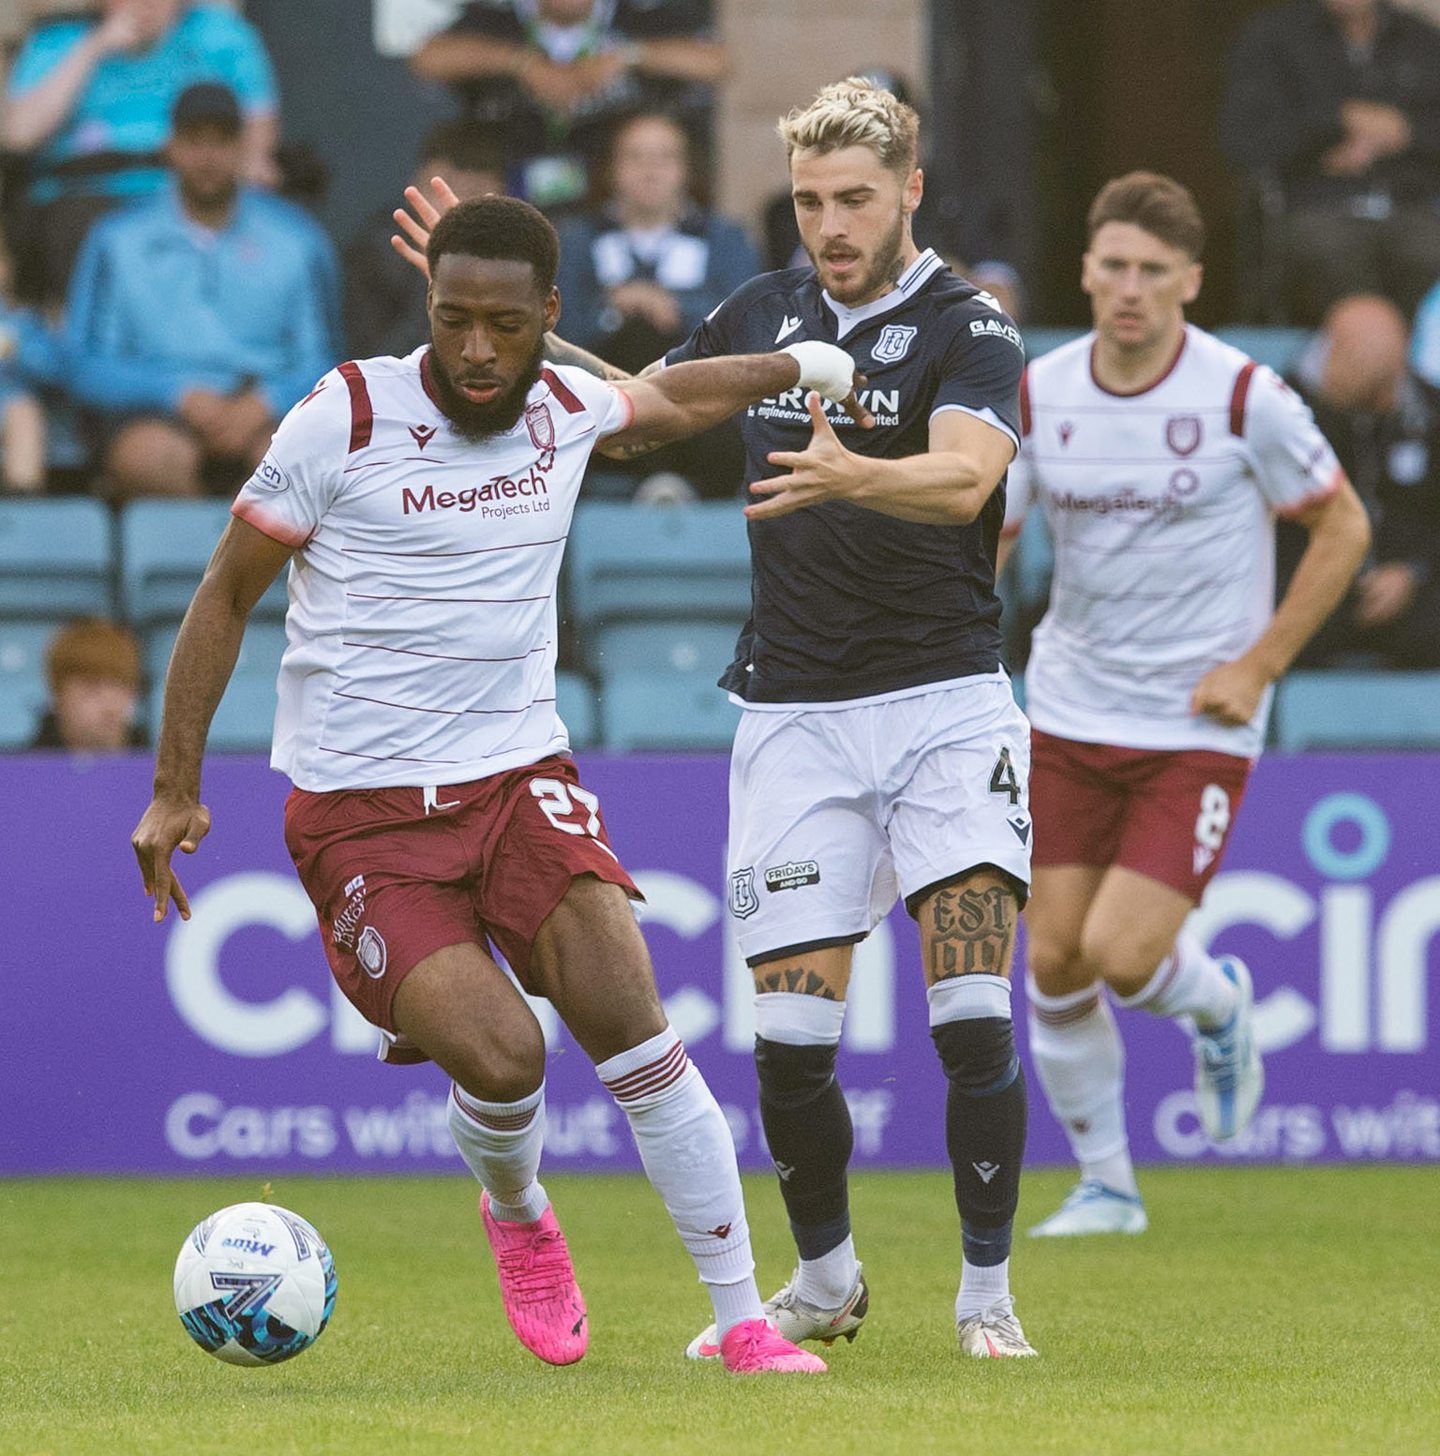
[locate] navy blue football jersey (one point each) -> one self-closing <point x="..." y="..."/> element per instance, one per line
<point x="849" y="603"/>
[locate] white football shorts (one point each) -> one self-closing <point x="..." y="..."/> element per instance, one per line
<point x="836" y="812"/>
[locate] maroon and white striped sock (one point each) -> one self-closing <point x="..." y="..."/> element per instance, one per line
<point x="689" y="1157"/>
<point x="501" y="1142"/>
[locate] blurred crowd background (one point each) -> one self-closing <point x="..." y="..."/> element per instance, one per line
<point x="195" y="217"/>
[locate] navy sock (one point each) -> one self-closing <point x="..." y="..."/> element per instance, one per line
<point x="807" y="1124"/>
<point x="985" y="1115"/>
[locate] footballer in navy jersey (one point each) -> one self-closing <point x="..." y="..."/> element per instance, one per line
<point x="881" y="754"/>
<point x="849" y="603"/>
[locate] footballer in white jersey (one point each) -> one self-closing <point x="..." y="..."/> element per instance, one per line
<point x="422" y="505"/>
<point x="1161" y="458"/>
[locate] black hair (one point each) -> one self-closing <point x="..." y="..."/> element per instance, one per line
<point x="498" y="227"/>
<point x="464" y="144"/>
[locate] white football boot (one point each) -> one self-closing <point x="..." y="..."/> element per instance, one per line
<point x="798" y="1320"/>
<point x="994" y="1333"/>
<point x="1229" y="1075"/>
<point x="1092" y="1208"/>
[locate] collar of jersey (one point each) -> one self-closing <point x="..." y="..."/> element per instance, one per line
<point x="847" y="320"/>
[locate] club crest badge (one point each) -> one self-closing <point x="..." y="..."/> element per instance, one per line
<point x="743" y="899"/>
<point x="1183" y="434"/>
<point x="893" y="343"/>
<point x="542" y="433"/>
<point x="370" y="951"/>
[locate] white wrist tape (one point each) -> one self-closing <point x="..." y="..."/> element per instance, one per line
<point x="823" y="368"/>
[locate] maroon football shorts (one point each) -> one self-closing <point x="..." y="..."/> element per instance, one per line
<point x="392" y="881"/>
<point x="1164" y="813"/>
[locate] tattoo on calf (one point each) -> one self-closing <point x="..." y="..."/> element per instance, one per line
<point x="796" y="979"/>
<point x="972" y="929"/>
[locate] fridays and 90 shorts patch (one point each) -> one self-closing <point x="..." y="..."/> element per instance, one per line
<point x="394" y="878"/>
<point x="835" y="812"/>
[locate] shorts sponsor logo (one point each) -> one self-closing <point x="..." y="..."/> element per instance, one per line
<point x="894" y="343"/>
<point x="270" y="477"/>
<point x="370" y="951"/>
<point x="743" y="899"/>
<point x="348" y="920"/>
<point x="793" y="875"/>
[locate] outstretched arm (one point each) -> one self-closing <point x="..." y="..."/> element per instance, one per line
<point x="244" y="564"/>
<point x="946" y="486"/>
<point x="688" y="398"/>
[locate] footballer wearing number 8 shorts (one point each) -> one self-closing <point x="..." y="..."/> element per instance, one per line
<point x="1161" y="457"/>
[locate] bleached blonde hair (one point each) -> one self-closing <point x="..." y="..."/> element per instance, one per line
<point x="855" y="113"/>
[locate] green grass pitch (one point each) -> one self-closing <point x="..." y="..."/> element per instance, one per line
<point x="1268" y="1310"/>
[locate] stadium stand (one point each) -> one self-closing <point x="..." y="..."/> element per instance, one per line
<point x="659" y="711"/>
<point x="23" y="691"/>
<point x="164" y="545"/>
<point x="1358" y="710"/>
<point x="56" y="557"/>
<point x="575" y="702"/>
<point x="246" y="714"/>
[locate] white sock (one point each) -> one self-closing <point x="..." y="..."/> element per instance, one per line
<point x="1188" y="982"/>
<point x="981" y="1287"/>
<point x="501" y="1142"/>
<point x="1080" y="1060"/>
<point x="827" y="1280"/>
<point x="689" y="1157"/>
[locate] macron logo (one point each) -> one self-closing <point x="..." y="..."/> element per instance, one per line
<point x="787" y="328"/>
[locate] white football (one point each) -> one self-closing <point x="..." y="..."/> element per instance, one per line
<point x="254" y="1284"/>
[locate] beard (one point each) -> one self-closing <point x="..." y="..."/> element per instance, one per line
<point x="477" y="422"/>
<point x="884" y="268"/>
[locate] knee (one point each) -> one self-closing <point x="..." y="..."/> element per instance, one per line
<point x="1056" y="965"/>
<point x="792" y="1076"/>
<point x="496" y="1073"/>
<point x="153" y="458"/>
<point x="1123" y="964"/>
<point x="978" y="1054"/>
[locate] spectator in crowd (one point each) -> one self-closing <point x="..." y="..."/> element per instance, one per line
<point x="1385" y="427"/>
<point x="553" y="74"/>
<point x="197" y="318"/>
<point x="29" y="358"/>
<point x="93" y="669"/>
<point x="639" y="274"/>
<point x="1338" y="103"/>
<point x="384" y="303"/>
<point x="89" y="103"/>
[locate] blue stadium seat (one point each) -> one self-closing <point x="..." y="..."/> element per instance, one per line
<point x="666" y="711"/>
<point x="23" y="690"/>
<point x="246" y="714"/>
<point x="682" y="644"/>
<point x="631" y="562"/>
<point x="164" y="546"/>
<point x="1276" y="347"/>
<point x="1337" y="710"/>
<point x="575" y="702"/>
<point x="55" y="558"/>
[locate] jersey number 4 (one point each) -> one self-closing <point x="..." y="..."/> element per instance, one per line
<point x="1003" y="780"/>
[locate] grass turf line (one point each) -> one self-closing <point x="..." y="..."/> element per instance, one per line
<point x="1279" y="1310"/>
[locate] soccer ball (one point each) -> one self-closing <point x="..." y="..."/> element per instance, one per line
<point x="254" y="1284"/>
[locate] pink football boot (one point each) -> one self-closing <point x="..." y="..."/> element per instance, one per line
<point x="537" y="1284"/>
<point x="755" y="1346"/>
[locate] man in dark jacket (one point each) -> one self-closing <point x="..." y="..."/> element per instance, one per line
<point x="1337" y="104"/>
<point x="1385" y="427"/>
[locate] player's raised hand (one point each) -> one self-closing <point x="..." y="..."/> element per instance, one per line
<point x="823" y="470"/>
<point x="417" y="225"/>
<point x="1230" y="693"/>
<point x="166" y="825"/>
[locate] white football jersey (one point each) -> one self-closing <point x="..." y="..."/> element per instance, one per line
<point x="1161" y="506"/>
<point x="421" y="627"/>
